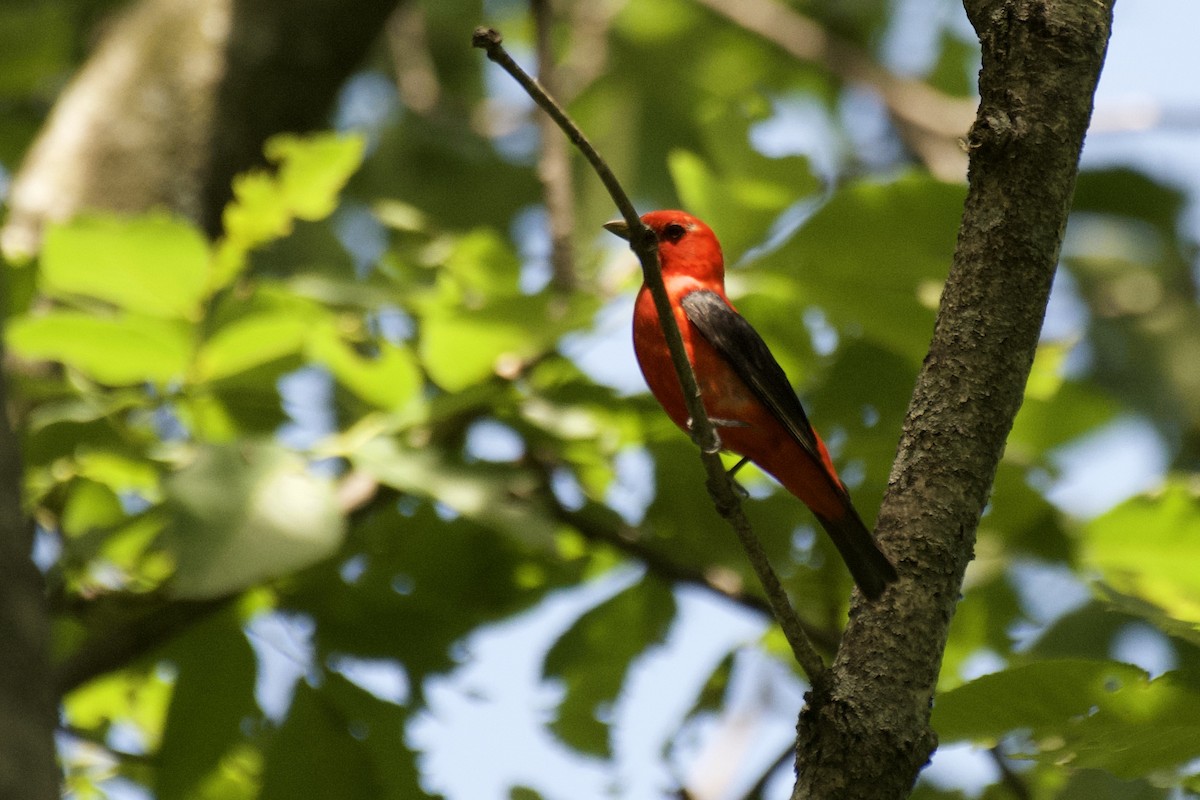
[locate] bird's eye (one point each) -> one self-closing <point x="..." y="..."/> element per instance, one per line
<point x="673" y="232"/>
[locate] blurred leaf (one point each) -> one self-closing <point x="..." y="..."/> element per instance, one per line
<point x="1024" y="522"/>
<point x="316" y="726"/>
<point x="496" y="496"/>
<point x="1184" y="635"/>
<point x="313" y="169"/>
<point x="250" y="342"/>
<point x="246" y="513"/>
<point x="1042" y="697"/>
<point x="381" y="726"/>
<point x="387" y="380"/>
<point x="1094" y="784"/>
<point x="35" y="42"/>
<point x="1145" y="727"/>
<point x="89" y="506"/>
<point x="111" y="350"/>
<point x="594" y="656"/>
<point x="982" y="623"/>
<point x="1097" y="714"/>
<point x="885" y="285"/>
<point x="740" y="192"/>
<point x="152" y="265"/>
<point x="214" y="692"/>
<point x="476" y="321"/>
<point x="310" y="172"/>
<point x="1050" y="419"/>
<point x="420" y="583"/>
<point x="138" y="697"/>
<point x="1149" y="546"/>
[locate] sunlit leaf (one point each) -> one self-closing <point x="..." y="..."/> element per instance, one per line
<point x="250" y="342"/>
<point x="111" y="350"/>
<point x="152" y="265"/>
<point x="388" y="379"/>
<point x="311" y="171"/>
<point x="245" y="513"/>
<point x="1149" y="546"/>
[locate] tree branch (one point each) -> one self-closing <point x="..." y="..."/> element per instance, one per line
<point x="720" y="485"/>
<point x="592" y="525"/>
<point x="868" y="735"/>
<point x="930" y="121"/>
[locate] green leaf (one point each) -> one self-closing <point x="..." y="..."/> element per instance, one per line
<point x="1042" y="697"/>
<point x="460" y="348"/>
<point x="35" y="41"/>
<point x="130" y="695"/>
<point x="1144" y="727"/>
<point x="115" y="351"/>
<point x="426" y="582"/>
<point x="735" y="188"/>
<point x="1094" y="784"/>
<point x="593" y="658"/>
<point x="89" y="506"/>
<point x="247" y="513"/>
<point x="313" y="169"/>
<point x="1099" y="714"/>
<point x="496" y="496"/>
<point x="214" y="691"/>
<point x="886" y="284"/>
<point x="250" y="342"/>
<point x="388" y="380"/>
<point x="475" y="322"/>
<point x="741" y="206"/>
<point x="153" y="265"/>
<point x="315" y="756"/>
<point x="1149" y="546"/>
<point x="310" y="173"/>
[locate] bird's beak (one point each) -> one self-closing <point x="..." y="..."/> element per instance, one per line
<point x="618" y="226"/>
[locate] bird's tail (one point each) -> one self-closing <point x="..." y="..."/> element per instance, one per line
<point x="868" y="565"/>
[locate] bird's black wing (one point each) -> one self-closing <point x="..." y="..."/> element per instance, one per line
<point x="740" y="345"/>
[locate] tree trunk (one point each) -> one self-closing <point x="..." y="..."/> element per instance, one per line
<point x="866" y="734"/>
<point x="178" y="98"/>
<point x="27" y="716"/>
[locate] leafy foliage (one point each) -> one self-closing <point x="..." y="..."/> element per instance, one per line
<point x="401" y="282"/>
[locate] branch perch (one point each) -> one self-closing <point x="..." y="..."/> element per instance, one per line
<point x="643" y="243"/>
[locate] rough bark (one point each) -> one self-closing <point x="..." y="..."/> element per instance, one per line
<point x="178" y="98"/>
<point x="867" y="734"/>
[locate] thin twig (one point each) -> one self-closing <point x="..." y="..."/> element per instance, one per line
<point x="645" y="246"/>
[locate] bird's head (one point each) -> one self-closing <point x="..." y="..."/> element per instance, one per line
<point x="686" y="246"/>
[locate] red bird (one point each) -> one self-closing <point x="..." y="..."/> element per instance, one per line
<point x="745" y="391"/>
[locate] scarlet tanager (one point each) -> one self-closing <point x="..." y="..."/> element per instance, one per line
<point x="745" y="392"/>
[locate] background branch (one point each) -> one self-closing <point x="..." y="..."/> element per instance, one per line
<point x="929" y="121"/>
<point x="554" y="163"/>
